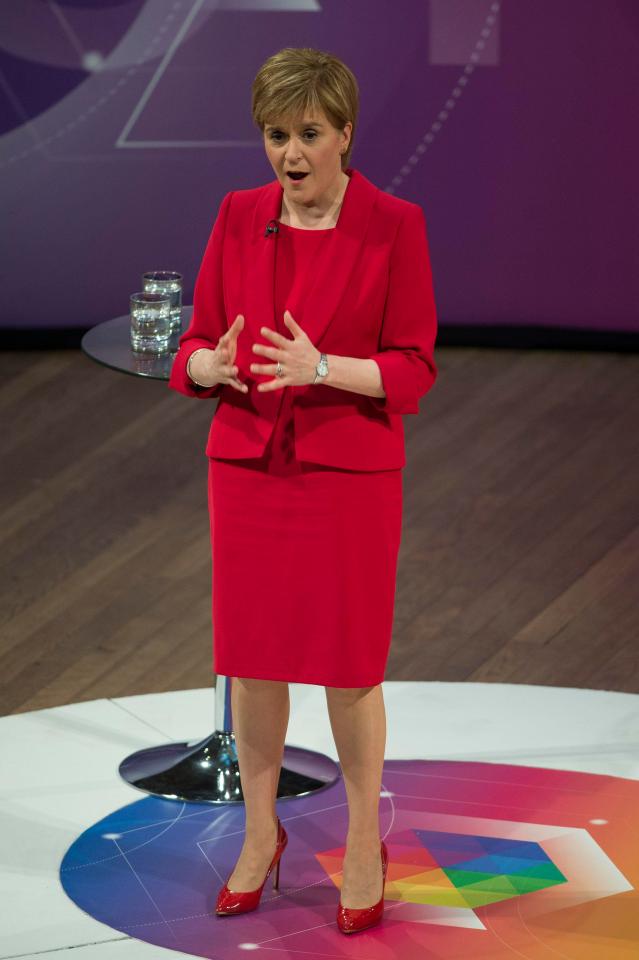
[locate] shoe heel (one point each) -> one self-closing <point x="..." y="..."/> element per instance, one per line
<point x="276" y="875"/>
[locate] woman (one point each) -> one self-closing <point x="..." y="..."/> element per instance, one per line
<point x="314" y="323"/>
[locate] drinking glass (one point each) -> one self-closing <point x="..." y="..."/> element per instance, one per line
<point x="150" y="322"/>
<point x="168" y="282"/>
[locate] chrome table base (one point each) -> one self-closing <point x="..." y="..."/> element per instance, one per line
<point x="207" y="771"/>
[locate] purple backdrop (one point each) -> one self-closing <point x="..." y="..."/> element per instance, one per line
<point x="124" y="122"/>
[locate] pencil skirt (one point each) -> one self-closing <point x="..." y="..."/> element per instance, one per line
<point x="304" y="564"/>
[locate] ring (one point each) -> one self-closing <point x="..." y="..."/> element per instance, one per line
<point x="279" y="372"/>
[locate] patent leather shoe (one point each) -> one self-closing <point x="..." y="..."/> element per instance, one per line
<point x="241" y="901"/>
<point x="352" y="919"/>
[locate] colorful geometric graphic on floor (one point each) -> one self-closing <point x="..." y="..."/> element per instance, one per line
<point x="485" y="860"/>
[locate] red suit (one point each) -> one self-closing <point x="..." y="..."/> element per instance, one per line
<point x="305" y="482"/>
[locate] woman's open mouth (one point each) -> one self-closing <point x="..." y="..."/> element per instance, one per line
<point x="295" y="176"/>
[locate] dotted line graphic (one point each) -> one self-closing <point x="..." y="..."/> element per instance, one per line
<point x="147" y="54"/>
<point x="451" y="102"/>
<point x="118" y="836"/>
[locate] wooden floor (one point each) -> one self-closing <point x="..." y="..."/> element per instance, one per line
<point x="520" y="549"/>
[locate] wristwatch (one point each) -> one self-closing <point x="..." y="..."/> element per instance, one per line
<point x="321" y="370"/>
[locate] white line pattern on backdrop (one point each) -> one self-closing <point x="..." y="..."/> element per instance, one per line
<point x="146" y="54"/>
<point x="456" y="93"/>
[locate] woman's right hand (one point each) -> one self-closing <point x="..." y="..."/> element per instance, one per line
<point x="219" y="364"/>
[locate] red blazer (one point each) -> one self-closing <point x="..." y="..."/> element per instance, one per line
<point x="371" y="295"/>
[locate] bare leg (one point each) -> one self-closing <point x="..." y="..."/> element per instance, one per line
<point x="260" y="719"/>
<point x="358" y="721"/>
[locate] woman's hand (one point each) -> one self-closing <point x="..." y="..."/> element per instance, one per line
<point x="221" y="361"/>
<point x="298" y="357"/>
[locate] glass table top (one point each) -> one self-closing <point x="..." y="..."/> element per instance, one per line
<point x="110" y="344"/>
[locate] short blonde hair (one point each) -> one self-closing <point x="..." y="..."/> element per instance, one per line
<point x="299" y="79"/>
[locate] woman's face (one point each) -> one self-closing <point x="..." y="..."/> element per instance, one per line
<point x="310" y="145"/>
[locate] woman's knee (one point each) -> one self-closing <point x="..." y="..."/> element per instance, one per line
<point x="257" y="685"/>
<point x="348" y="694"/>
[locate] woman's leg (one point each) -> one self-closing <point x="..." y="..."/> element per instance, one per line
<point x="358" y="721"/>
<point x="260" y="711"/>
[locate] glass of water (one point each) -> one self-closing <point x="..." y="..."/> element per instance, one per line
<point x="150" y="322"/>
<point x="169" y="283"/>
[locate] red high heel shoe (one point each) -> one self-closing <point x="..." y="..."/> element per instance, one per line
<point x="351" y="919"/>
<point x="241" y="901"/>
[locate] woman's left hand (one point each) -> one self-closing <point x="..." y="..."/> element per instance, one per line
<point x="298" y="357"/>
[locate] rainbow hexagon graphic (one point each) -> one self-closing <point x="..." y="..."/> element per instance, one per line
<point x="457" y="869"/>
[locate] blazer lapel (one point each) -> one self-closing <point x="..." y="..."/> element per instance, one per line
<point x="333" y="269"/>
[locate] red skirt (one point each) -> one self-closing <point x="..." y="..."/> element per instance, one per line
<point x="304" y="562"/>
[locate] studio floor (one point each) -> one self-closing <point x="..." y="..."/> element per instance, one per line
<point x="554" y="770"/>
